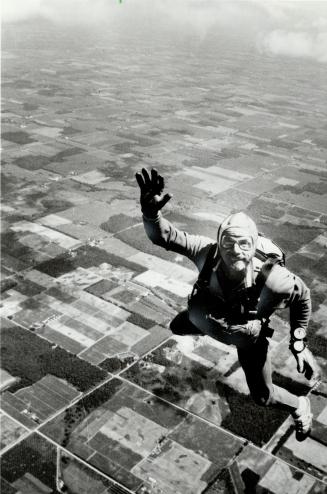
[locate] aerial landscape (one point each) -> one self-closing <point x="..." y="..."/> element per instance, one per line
<point x="97" y="394"/>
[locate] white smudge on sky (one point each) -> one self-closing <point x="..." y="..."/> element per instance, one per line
<point x="296" y="44"/>
<point x="280" y="27"/>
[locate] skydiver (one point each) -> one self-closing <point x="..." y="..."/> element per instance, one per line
<point x="242" y="281"/>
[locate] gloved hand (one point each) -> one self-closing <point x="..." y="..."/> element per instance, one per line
<point x="306" y="364"/>
<point x="152" y="198"/>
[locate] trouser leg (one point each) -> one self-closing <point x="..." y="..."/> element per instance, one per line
<point x="256" y="364"/>
<point x="181" y="325"/>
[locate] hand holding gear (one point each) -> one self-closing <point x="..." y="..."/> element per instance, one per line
<point x="152" y="197"/>
<point x="251" y="328"/>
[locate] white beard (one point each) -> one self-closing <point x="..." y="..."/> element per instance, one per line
<point x="238" y="266"/>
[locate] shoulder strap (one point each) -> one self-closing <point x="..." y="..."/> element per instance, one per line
<point x="205" y="273"/>
<point x="268" y="258"/>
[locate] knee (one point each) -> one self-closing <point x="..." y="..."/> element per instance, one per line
<point x="181" y="325"/>
<point x="263" y="398"/>
<point x="178" y="323"/>
<point x="262" y="401"/>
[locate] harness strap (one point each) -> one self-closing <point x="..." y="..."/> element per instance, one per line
<point x="205" y="273"/>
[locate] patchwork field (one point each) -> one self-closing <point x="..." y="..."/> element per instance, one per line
<point x="97" y="394"/>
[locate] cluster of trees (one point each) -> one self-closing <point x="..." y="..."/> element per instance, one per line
<point x="29" y="357"/>
<point x="101" y="395"/>
<point x="72" y="417"/>
<point x="58" y="266"/>
<point x="79" y="412"/>
<point x="245" y="413"/>
<point x="167" y="392"/>
<point x="34" y="455"/>
<point x="76" y="371"/>
<point x="116" y="364"/>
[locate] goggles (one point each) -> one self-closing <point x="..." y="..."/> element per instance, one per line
<point x="244" y="243"/>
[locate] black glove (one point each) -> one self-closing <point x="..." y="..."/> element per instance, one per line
<point x="152" y="198"/>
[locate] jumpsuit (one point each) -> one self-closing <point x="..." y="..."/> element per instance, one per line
<point x="225" y="312"/>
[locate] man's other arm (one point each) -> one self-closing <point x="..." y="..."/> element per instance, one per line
<point x="285" y="289"/>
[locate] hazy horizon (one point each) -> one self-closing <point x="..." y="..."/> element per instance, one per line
<point x="281" y="28"/>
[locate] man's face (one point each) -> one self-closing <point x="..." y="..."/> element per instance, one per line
<point x="236" y="251"/>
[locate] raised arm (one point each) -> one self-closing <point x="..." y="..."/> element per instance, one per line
<point x="152" y="197"/>
<point x="159" y="230"/>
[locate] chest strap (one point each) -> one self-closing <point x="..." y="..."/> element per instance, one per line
<point x="205" y="273"/>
